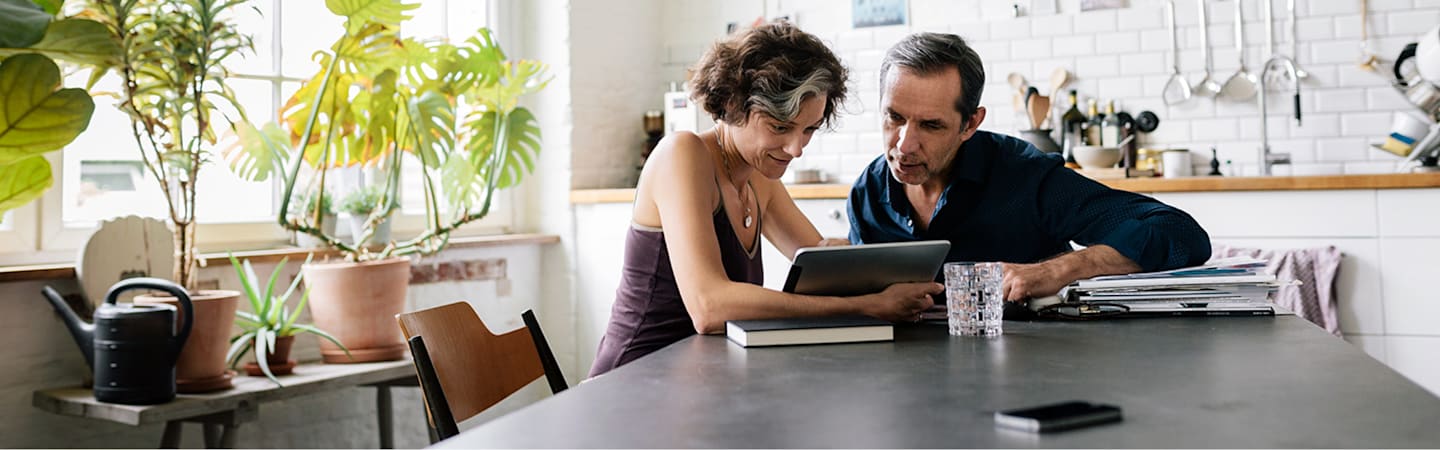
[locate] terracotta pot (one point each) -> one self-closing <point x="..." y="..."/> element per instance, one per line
<point x="278" y="360"/>
<point x="201" y="367"/>
<point x="357" y="303"/>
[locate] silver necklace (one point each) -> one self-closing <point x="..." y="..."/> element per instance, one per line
<point x="739" y="190"/>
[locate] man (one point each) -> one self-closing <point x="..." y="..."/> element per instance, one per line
<point x="996" y="197"/>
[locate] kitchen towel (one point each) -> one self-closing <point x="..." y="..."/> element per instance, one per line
<point x="1315" y="269"/>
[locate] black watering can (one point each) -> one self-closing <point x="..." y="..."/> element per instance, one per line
<point x="132" y="348"/>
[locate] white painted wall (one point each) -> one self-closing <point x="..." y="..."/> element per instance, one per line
<point x="1115" y="54"/>
<point x="39" y="354"/>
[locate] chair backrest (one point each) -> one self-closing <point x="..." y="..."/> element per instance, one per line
<point x="474" y="368"/>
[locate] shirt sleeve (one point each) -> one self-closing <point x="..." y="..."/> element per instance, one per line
<point x="1154" y="235"/>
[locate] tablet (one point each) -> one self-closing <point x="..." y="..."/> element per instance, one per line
<point x="864" y="269"/>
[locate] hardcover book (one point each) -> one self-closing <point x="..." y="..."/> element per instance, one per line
<point x="808" y="330"/>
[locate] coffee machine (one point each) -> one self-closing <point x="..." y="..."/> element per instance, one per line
<point x="682" y="114"/>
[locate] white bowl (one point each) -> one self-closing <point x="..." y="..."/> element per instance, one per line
<point x="1096" y="157"/>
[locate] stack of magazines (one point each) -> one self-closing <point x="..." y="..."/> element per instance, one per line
<point x="1224" y="287"/>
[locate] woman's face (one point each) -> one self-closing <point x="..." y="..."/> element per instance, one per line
<point x="768" y="144"/>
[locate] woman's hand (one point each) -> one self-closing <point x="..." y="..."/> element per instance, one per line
<point x="833" y="242"/>
<point x="901" y="302"/>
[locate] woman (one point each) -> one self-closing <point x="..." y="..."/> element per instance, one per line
<point x="692" y="253"/>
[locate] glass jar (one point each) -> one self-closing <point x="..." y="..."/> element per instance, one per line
<point x="1148" y="159"/>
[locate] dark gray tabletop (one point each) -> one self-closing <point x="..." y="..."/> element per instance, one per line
<point x="1182" y="382"/>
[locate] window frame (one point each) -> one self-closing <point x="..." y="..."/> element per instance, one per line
<point x="37" y="232"/>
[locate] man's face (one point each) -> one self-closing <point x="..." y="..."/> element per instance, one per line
<point x="923" y="131"/>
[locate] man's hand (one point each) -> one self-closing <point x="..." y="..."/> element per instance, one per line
<point x="1023" y="281"/>
<point x="1045" y="278"/>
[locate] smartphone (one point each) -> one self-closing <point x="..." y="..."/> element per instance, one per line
<point x="1059" y="416"/>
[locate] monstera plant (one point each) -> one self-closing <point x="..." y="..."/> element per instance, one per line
<point x="37" y="114"/>
<point x="375" y="98"/>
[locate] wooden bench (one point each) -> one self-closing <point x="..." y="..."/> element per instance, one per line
<point x="221" y="413"/>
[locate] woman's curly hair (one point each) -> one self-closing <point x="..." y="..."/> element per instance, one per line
<point x="770" y="68"/>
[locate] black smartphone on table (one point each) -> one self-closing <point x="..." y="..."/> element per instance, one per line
<point x="1059" y="416"/>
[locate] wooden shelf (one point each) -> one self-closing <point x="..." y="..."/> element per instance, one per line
<point x="1190" y="184"/>
<point x="296" y="254"/>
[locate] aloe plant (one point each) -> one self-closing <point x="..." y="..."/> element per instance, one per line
<point x="271" y="318"/>
<point x="37" y="114"/>
<point x="173" y="84"/>
<point x="377" y="96"/>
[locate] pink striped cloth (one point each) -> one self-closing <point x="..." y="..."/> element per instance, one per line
<point x="1315" y="269"/>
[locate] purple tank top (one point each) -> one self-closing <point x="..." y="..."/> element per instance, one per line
<point x="648" y="313"/>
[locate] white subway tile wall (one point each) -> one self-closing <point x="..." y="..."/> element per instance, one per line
<point x="1120" y="55"/>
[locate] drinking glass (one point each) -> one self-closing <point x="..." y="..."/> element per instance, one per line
<point x="973" y="298"/>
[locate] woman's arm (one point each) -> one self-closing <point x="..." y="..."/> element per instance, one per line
<point x="679" y="183"/>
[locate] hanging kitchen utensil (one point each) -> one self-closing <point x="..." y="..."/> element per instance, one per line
<point x="1177" y="90"/>
<point x="1295" y="40"/>
<point x="1241" y="85"/>
<point x="1058" y="79"/>
<point x="1272" y="77"/>
<point x="1207" y="86"/>
<point x="1368" y="61"/>
<point x="1147" y="121"/>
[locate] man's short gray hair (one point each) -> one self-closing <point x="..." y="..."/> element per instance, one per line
<point x="929" y="53"/>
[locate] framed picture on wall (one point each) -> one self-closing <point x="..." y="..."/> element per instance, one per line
<point x="877" y="13"/>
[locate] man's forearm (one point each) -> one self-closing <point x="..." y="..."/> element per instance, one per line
<point x="1091" y="261"/>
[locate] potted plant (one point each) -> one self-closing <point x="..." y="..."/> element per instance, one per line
<point x="312" y="204"/>
<point x="174" y="90"/>
<point x="269" y="328"/>
<point x="378" y="96"/>
<point x="31" y="38"/>
<point x="359" y="204"/>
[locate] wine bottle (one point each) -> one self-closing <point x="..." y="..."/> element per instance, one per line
<point x="1070" y="125"/>
<point x="1093" y="126"/>
<point x="1110" y="127"/>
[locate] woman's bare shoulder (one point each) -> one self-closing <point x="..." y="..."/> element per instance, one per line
<point x="681" y="153"/>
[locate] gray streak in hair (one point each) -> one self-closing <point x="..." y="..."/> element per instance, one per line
<point x="785" y="105"/>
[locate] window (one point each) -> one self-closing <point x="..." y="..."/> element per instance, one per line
<point x="100" y="175"/>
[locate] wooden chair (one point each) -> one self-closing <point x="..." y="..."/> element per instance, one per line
<point x="465" y="369"/>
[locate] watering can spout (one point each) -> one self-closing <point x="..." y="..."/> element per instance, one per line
<point x="83" y="332"/>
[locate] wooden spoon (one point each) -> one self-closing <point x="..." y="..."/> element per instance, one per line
<point x="1058" y="79"/>
<point x="1039" y="108"/>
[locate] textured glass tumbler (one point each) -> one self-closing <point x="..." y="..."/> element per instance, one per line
<point x="972" y="298"/>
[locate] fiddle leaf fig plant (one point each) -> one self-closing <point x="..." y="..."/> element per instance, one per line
<point x="37" y="114"/>
<point x="377" y="96"/>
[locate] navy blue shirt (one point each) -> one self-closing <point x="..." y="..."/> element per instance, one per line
<point x="1006" y="201"/>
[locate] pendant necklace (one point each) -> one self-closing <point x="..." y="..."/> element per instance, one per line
<point x="725" y="162"/>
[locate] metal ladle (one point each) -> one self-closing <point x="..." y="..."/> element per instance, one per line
<point x="1241" y="85"/>
<point x="1368" y="61"/>
<point x="1295" y="40"/>
<point x="1177" y="89"/>
<point x="1207" y="86"/>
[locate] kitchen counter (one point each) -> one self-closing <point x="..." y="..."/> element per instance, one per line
<point x="1190" y="184"/>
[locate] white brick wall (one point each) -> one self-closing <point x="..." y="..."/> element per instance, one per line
<point x="1120" y="55"/>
